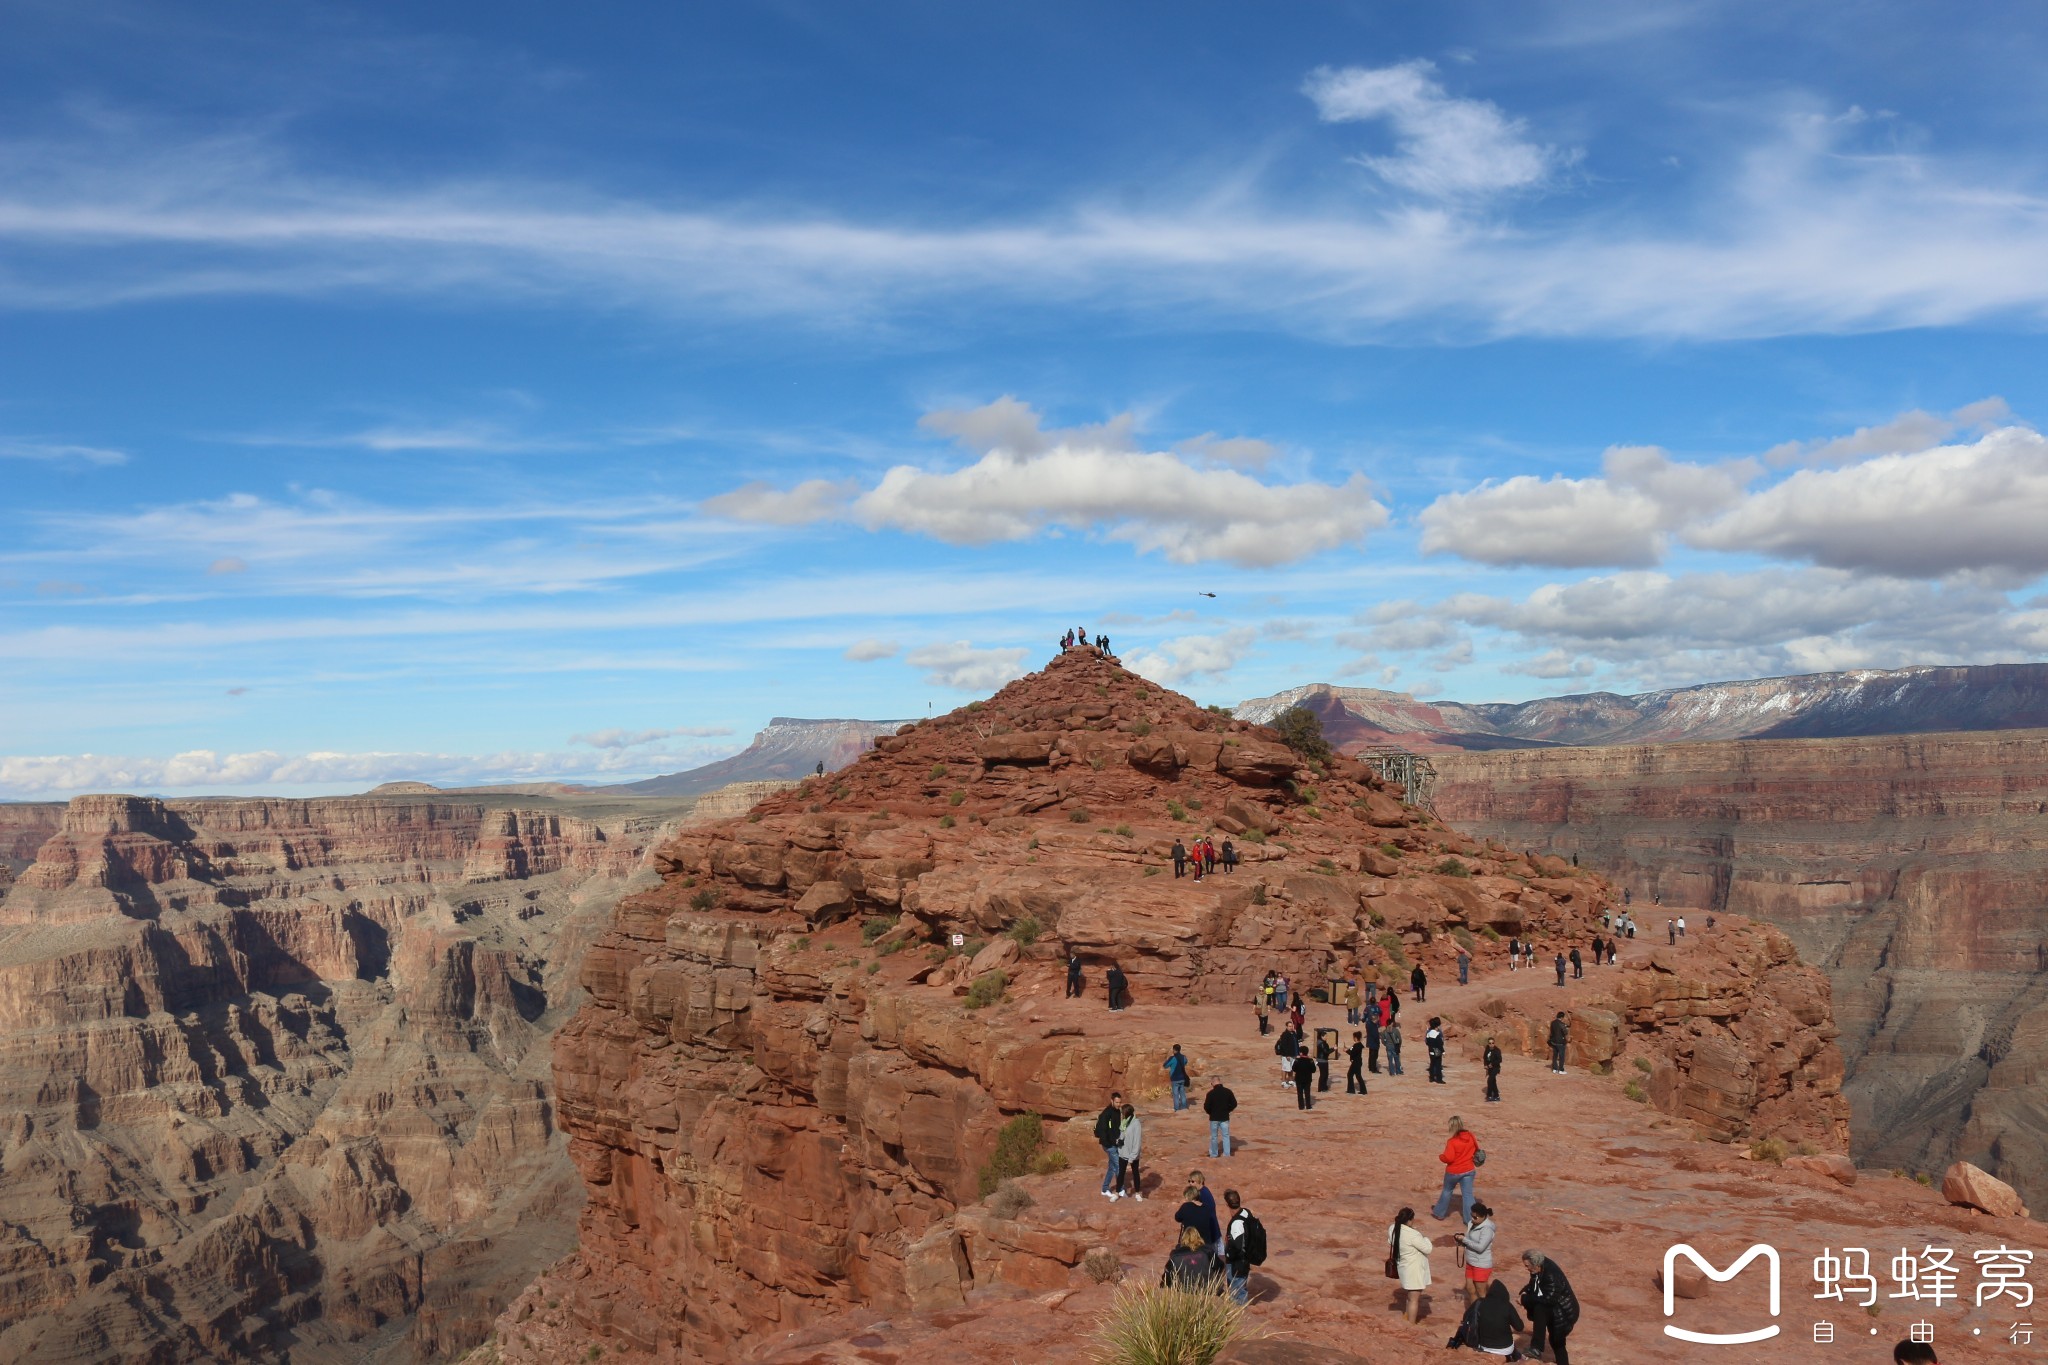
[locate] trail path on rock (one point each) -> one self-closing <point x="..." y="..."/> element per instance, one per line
<point x="1575" y="1169"/>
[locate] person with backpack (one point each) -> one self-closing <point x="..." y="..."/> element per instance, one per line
<point x="1176" y="1065"/>
<point x="1116" y="982"/>
<point x="1578" y="964"/>
<point x="1192" y="1266"/>
<point x="1109" y="1134"/>
<point x="1560" y="1040"/>
<point x="1553" y="1308"/>
<point x="1219" y="1104"/>
<point x="1433" y="1043"/>
<point x="1130" y="1147"/>
<point x="1244" y="1246"/>
<point x="1390" y="1037"/>
<point x="1304" y="1082"/>
<point x="1354" y="1079"/>
<point x="1461" y="1157"/>
<point x="1514" y="953"/>
<point x="1408" y="1261"/>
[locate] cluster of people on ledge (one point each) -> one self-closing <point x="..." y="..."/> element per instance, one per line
<point x="1077" y="638"/>
<point x="1203" y="857"/>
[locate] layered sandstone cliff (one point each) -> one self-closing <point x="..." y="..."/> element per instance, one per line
<point x="1913" y="869"/>
<point x="780" y="1101"/>
<point x="274" y="1074"/>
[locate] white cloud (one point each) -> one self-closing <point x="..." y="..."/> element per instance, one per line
<point x="962" y="666"/>
<point x="1030" y="481"/>
<point x="210" y="772"/>
<point x="49" y="453"/>
<point x="633" y="739"/>
<point x="867" y="651"/>
<point x="1621" y="519"/>
<point x="1446" y="147"/>
<point x="1805" y="230"/>
<point x="1553" y="663"/>
<point x="1400" y="635"/>
<point x="1982" y="506"/>
<point x="1239" y="452"/>
<point x="1456" y="657"/>
<point x="812" y="500"/>
<point x="1906" y="434"/>
<point x="1189" y="658"/>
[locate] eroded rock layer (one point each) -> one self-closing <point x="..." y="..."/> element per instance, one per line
<point x="274" y="1075"/>
<point x="780" y="1101"/>
<point x="1913" y="869"/>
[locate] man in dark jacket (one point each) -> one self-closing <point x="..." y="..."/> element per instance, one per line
<point x="1237" y="1261"/>
<point x="1116" y="982"/>
<point x="1560" y="969"/>
<point x="1180" y="858"/>
<point x="1304" y="1082"/>
<point x="1109" y="1134"/>
<point x="1326" y="1048"/>
<point x="1219" y="1104"/>
<point x="1194" y="1213"/>
<point x="1391" y="1036"/>
<point x="1553" y="1308"/>
<point x="1418" y="982"/>
<point x="1578" y="964"/>
<point x="1560" y="1039"/>
<point x="1491" y="1059"/>
<point x="1354" y="1079"/>
<point x="1433" y="1041"/>
<point x="1073" y="975"/>
<point x="1491" y="1322"/>
<point x="1372" y="1035"/>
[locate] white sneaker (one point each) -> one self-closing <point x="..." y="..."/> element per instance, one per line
<point x="1139" y="1197"/>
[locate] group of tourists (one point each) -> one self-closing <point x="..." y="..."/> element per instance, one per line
<point x="1203" y="857"/>
<point x="1077" y="638"/>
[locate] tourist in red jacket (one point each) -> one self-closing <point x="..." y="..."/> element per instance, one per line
<point x="1461" y="1161"/>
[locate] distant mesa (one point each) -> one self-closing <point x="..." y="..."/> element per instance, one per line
<point x="1904" y="701"/>
<point x="787" y="750"/>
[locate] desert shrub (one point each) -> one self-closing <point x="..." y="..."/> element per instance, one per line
<point x="1643" y="1064"/>
<point x="1259" y="894"/>
<point x="973" y="947"/>
<point x="975" y="705"/>
<point x="947" y="822"/>
<point x="1375" y="918"/>
<point x="1390" y="943"/>
<point x="1767" y="1149"/>
<point x="1305" y="792"/>
<point x="1026" y="931"/>
<point x="1464" y="938"/>
<point x="1253" y="836"/>
<point x="1097" y="761"/>
<point x="1009" y="1200"/>
<point x="1124" y="830"/>
<point x="1150" y="1325"/>
<point x="1176" y="810"/>
<point x="987" y="990"/>
<point x="1805" y="1149"/>
<point x="1016" y="1143"/>
<point x="874" y="967"/>
<point x="1634" y="1090"/>
<point x="1451" y="867"/>
<point x="1033" y="843"/>
<point x="1301" y="730"/>
<point x="1392" y="849"/>
<point x="1194" y="803"/>
<point x="1103" y="1265"/>
<point x="870" y="930"/>
<point x="1049" y="1161"/>
<point x="1079" y="817"/>
<point x="1325" y="867"/>
<point x="1151" y="871"/>
<point x="841" y="792"/>
<point x="707" y="899"/>
<point x="1141" y="727"/>
<point x="894" y="945"/>
<point x="937" y="770"/>
<point x="956" y="798"/>
<point x="1925" y="1179"/>
<point x="1492" y="934"/>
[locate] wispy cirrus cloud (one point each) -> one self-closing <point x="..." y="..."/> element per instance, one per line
<point x="48" y="452"/>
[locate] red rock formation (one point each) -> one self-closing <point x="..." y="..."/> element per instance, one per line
<point x="1909" y="868"/>
<point x="776" y="1123"/>
<point x="275" y="1072"/>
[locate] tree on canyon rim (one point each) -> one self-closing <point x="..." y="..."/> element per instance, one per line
<point x="1302" y="731"/>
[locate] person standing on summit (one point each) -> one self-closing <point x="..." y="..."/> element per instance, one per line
<point x="1219" y="1104"/>
<point x="1418" y="983"/>
<point x="1073" y="974"/>
<point x="1115" y="981"/>
<point x="1560" y="1040"/>
<point x="1180" y="858"/>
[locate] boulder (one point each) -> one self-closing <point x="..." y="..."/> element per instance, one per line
<point x="1688" y="1281"/>
<point x="1978" y="1189"/>
<point x="1001" y="953"/>
<point x="936" y="1275"/>
<point x="1256" y="762"/>
<point x="1837" y="1168"/>
<point x="1018" y="747"/>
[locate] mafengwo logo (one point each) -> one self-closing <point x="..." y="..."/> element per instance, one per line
<point x="1671" y="1255"/>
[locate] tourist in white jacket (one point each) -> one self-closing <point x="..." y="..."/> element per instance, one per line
<point x="1410" y="1250"/>
<point x="1129" y="1149"/>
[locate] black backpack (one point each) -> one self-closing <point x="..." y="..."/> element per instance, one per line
<point x="1254" y="1240"/>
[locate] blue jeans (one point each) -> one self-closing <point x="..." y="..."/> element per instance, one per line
<point x="1394" y="1060"/>
<point x="1455" y="1182"/>
<point x="1180" y="1095"/>
<point x="1219" y="1136"/>
<point x="1464" y="970"/>
<point x="1280" y="995"/>
<point x="1238" y="1291"/>
<point x="1116" y="1165"/>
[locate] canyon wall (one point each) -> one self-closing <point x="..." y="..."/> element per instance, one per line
<point x="274" y="1074"/>
<point x="1913" y="869"/>
<point x="801" y="1047"/>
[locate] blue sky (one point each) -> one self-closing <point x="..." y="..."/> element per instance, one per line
<point x="474" y="392"/>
